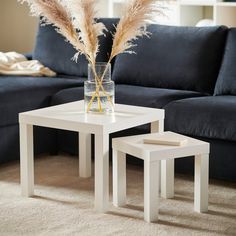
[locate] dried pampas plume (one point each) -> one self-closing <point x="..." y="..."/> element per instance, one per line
<point x="137" y="14"/>
<point x="83" y="14"/>
<point x="74" y="19"/>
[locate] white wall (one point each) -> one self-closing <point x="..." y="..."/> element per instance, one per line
<point x="170" y="11"/>
<point x="102" y="8"/>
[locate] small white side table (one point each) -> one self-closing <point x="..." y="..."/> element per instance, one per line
<point x="71" y="116"/>
<point x="152" y="155"/>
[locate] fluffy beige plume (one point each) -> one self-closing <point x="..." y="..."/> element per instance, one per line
<point x="137" y="14"/>
<point x="53" y="12"/>
<point x="83" y="13"/>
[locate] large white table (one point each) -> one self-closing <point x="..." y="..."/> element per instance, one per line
<point x="71" y="116"/>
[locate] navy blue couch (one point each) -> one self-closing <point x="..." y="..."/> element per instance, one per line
<point x="190" y="72"/>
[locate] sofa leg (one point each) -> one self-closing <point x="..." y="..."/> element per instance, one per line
<point x="53" y="153"/>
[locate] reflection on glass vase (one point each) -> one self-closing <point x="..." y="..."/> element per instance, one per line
<point x="99" y="94"/>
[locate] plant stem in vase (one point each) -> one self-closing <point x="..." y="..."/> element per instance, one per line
<point x="99" y="89"/>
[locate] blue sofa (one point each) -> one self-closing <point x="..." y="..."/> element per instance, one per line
<point x="190" y="72"/>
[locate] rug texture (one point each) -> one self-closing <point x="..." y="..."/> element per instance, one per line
<point x="63" y="205"/>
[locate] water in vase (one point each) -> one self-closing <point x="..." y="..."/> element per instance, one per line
<point x="102" y="103"/>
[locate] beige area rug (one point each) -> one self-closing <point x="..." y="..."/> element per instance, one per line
<point x="63" y="205"/>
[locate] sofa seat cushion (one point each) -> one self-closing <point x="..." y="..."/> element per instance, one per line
<point x="182" y="58"/>
<point x="209" y="117"/>
<point x="226" y="82"/>
<point x="68" y="95"/>
<point x="57" y="54"/>
<point x="150" y="97"/>
<point x="130" y="95"/>
<point x="19" y="94"/>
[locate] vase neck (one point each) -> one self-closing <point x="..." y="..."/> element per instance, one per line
<point x="101" y="71"/>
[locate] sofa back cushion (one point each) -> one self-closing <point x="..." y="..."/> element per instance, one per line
<point x="54" y="52"/>
<point x="186" y="58"/>
<point x="226" y="82"/>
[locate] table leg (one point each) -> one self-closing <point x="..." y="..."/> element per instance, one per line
<point x="84" y="155"/>
<point x="26" y="160"/>
<point x="119" y="178"/>
<point x="151" y="190"/>
<point x="201" y="179"/>
<point x="157" y="126"/>
<point x="167" y="178"/>
<point x="101" y="172"/>
<point x="166" y="172"/>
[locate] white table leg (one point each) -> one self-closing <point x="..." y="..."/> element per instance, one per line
<point x="101" y="172"/>
<point x="201" y="179"/>
<point x="167" y="178"/>
<point x="151" y="190"/>
<point x="157" y="126"/>
<point x="26" y="160"/>
<point x="119" y="178"/>
<point x="84" y="155"/>
<point x="166" y="172"/>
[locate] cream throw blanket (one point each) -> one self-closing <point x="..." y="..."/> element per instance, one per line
<point x="12" y="63"/>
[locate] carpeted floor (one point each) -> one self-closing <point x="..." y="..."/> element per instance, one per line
<point x="63" y="205"/>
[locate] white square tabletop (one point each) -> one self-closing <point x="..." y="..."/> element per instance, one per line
<point x="71" y="116"/>
<point x="134" y="145"/>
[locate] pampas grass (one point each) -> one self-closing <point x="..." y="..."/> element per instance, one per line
<point x="83" y="13"/>
<point x="53" y="12"/>
<point x="74" y="19"/>
<point x="137" y="14"/>
<point x="132" y="25"/>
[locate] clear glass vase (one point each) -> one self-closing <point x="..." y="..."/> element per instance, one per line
<point x="99" y="91"/>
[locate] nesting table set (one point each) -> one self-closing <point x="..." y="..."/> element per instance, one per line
<point x="158" y="159"/>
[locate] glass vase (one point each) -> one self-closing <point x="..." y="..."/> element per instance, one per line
<point x="99" y="91"/>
